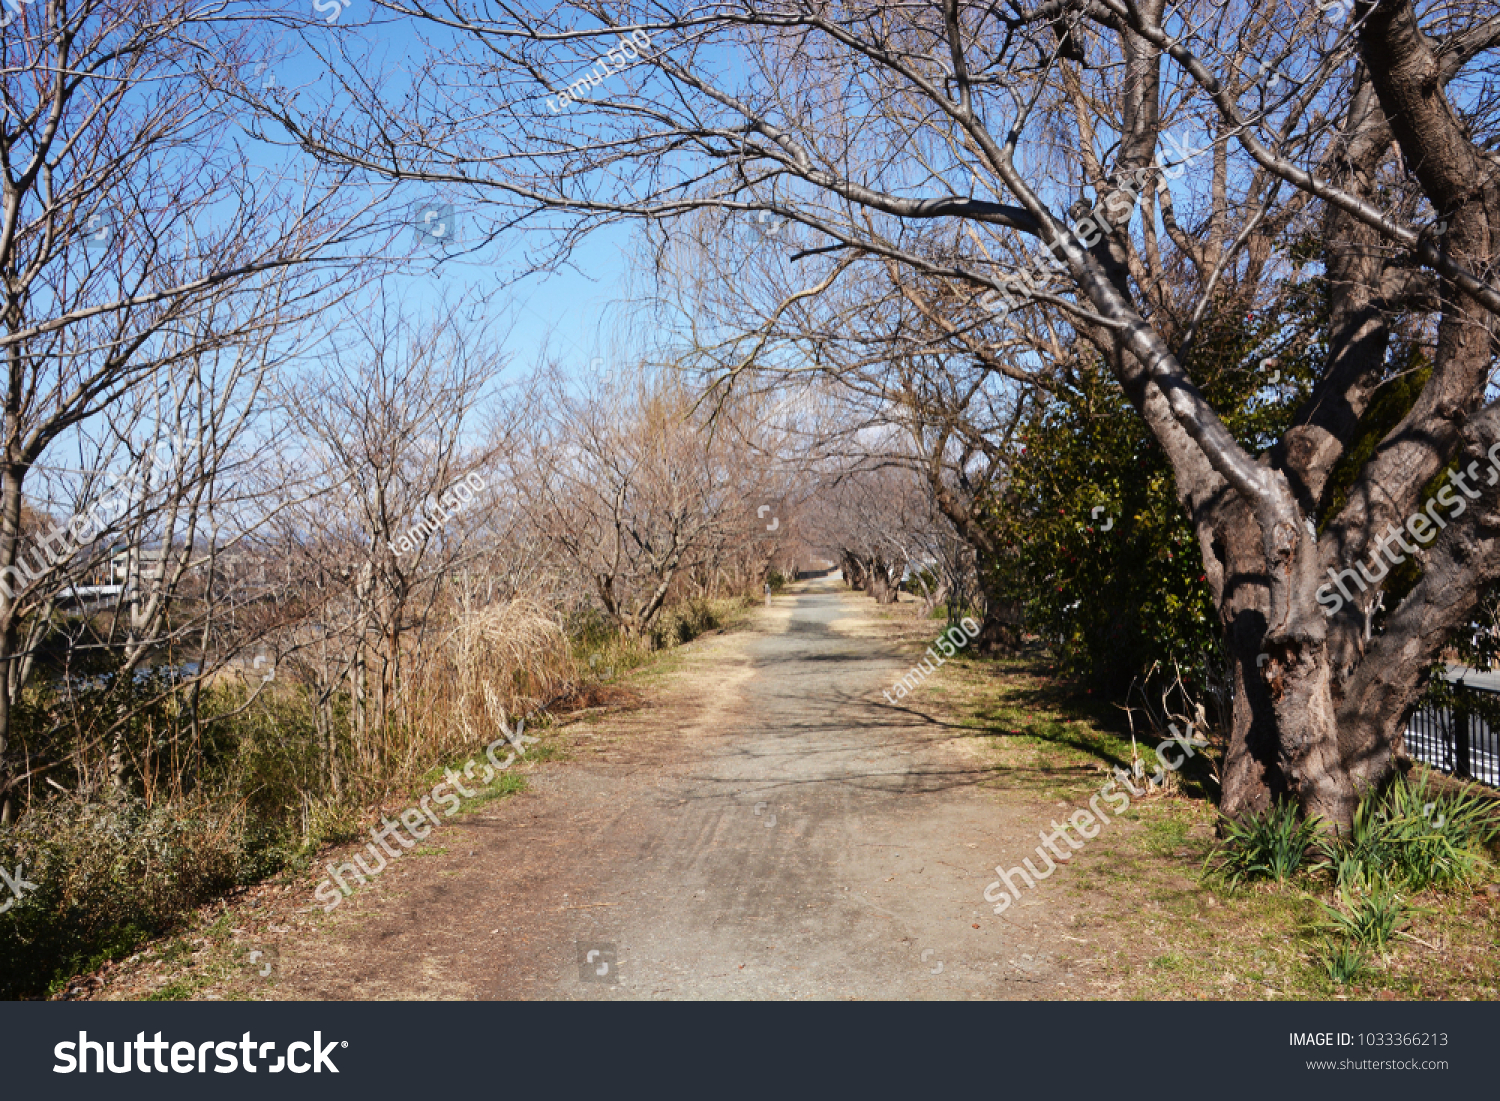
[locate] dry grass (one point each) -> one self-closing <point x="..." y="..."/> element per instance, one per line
<point x="507" y="659"/>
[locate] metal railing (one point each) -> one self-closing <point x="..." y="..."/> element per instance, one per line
<point x="1458" y="739"/>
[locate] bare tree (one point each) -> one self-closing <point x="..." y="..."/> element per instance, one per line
<point x="392" y="491"/>
<point x="636" y="488"/>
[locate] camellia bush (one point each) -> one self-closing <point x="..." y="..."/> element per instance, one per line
<point x="1107" y="565"/>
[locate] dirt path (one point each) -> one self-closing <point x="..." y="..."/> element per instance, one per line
<point x="769" y="827"/>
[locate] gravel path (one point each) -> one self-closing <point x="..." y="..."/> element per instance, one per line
<point x="766" y="827"/>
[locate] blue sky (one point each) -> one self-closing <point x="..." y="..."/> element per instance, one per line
<point x="560" y="312"/>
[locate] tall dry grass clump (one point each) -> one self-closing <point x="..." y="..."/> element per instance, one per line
<point x="505" y="659"/>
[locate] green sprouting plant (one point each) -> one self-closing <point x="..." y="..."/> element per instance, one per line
<point x="1344" y="962"/>
<point x="1267" y="846"/>
<point x="1349" y="872"/>
<point x="1414" y="838"/>
<point x="1371" y="918"/>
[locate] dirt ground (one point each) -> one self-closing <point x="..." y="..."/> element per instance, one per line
<point x="762" y="824"/>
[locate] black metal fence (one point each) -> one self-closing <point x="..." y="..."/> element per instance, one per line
<point x="1459" y="739"/>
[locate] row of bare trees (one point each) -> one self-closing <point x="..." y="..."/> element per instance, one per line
<point x="412" y="543"/>
<point x="646" y="491"/>
<point x="1021" y="152"/>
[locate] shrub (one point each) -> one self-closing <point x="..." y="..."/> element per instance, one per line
<point x="689" y="620"/>
<point x="107" y="876"/>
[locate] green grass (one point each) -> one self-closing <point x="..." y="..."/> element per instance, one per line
<point x="1166" y="836"/>
<point x="1414" y="837"/>
<point x="119" y="941"/>
<point x="1162" y="930"/>
<point x="1406" y="839"/>
<point x="507" y="783"/>
<point x="222" y="930"/>
<point x="176" y="951"/>
<point x="501" y="784"/>
<point x="1043" y="728"/>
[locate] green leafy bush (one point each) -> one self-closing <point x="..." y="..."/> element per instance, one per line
<point x="1107" y="603"/>
<point x="1106" y="563"/>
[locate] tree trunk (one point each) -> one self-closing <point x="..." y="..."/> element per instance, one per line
<point x="1284" y="737"/>
<point x="10" y="537"/>
<point x="1000" y="626"/>
<point x="881" y="587"/>
<point x="855" y="574"/>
